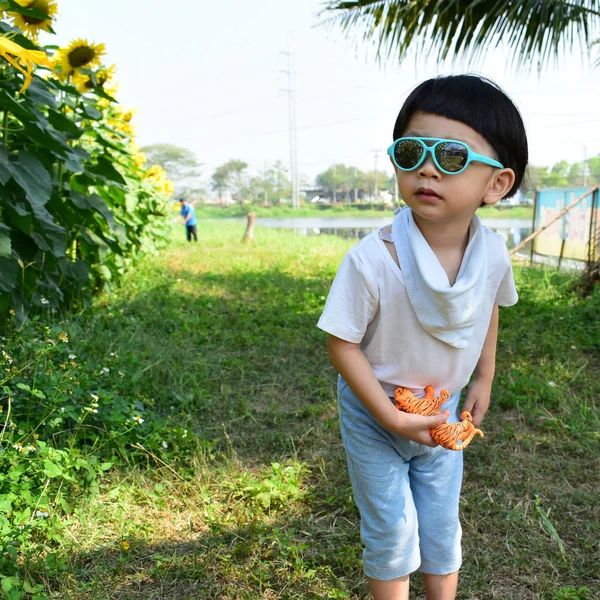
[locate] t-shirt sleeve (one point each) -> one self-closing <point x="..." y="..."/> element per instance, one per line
<point x="507" y="291"/>
<point x="352" y="301"/>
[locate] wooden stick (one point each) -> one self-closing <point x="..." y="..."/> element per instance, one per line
<point x="552" y="221"/>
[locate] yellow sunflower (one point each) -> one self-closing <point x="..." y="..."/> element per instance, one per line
<point x="84" y="83"/>
<point x="31" y="26"/>
<point x="78" y="54"/>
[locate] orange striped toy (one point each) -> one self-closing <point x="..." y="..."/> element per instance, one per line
<point x="453" y="436"/>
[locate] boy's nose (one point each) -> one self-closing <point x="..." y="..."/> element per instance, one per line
<point x="428" y="169"/>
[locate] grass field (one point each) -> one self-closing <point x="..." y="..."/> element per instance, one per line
<point x="208" y="211"/>
<point x="255" y="501"/>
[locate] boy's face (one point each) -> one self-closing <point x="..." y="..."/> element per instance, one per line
<point x="434" y="195"/>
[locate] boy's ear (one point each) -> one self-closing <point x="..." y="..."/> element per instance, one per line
<point x="501" y="183"/>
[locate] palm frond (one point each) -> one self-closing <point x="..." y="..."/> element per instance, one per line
<point x="534" y="30"/>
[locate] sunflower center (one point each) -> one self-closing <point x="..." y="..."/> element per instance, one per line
<point x="40" y="5"/>
<point x="79" y="57"/>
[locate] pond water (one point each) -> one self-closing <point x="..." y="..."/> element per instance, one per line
<point x="512" y="230"/>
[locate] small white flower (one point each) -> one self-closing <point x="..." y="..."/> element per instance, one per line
<point x="18" y="447"/>
<point x="322" y="297"/>
<point x="72" y="357"/>
<point x="551" y="384"/>
<point x="94" y="397"/>
<point x="104" y="371"/>
<point x="184" y="433"/>
<point x="573" y="347"/>
<point x="164" y="444"/>
<point x="114" y="354"/>
<point x="21" y="525"/>
<point x="62" y="409"/>
<point x="138" y="419"/>
<point x="42" y="513"/>
<point x="44" y="301"/>
<point x="30" y="448"/>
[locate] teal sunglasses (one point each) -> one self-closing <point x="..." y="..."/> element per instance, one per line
<point x="449" y="156"/>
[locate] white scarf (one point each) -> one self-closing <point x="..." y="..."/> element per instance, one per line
<point x="446" y="312"/>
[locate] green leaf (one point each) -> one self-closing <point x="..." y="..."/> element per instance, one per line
<point x="40" y="94"/>
<point x="6" y="170"/>
<point x="63" y="123"/>
<point x="106" y="169"/>
<point x="75" y="159"/>
<point x="92" y="202"/>
<point x="79" y="271"/>
<point x="5" y="244"/>
<point x="91" y="112"/>
<point x="50" y="231"/>
<point x="52" y="469"/>
<point x="6" y="502"/>
<point x="8" y="274"/>
<point x="32" y="176"/>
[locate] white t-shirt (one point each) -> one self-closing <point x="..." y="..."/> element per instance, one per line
<point x="368" y="305"/>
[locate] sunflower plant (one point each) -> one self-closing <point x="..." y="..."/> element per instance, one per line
<point x="77" y="203"/>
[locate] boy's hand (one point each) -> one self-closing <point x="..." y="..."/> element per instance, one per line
<point x="416" y="427"/>
<point x="478" y="399"/>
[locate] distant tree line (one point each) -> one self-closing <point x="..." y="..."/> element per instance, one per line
<point x="562" y="174"/>
<point x="339" y="183"/>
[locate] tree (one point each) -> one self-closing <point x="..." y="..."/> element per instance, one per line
<point x="231" y="176"/>
<point x="179" y="163"/>
<point x="535" y="30"/>
<point x="339" y="178"/>
<point x="280" y="182"/>
<point x="272" y="185"/>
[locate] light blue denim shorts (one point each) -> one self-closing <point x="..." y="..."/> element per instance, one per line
<point x="407" y="494"/>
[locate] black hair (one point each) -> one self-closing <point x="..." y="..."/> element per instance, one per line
<point x="480" y="104"/>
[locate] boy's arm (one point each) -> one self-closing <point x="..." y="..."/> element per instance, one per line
<point x="480" y="390"/>
<point x="353" y="366"/>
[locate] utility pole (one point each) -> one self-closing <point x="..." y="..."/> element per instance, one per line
<point x="292" y="121"/>
<point x="376" y="153"/>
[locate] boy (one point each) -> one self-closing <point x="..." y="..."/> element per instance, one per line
<point x="416" y="304"/>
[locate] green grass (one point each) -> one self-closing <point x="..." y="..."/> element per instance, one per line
<point x="208" y="211"/>
<point x="220" y="339"/>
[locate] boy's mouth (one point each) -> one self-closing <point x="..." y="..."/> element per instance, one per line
<point x="427" y="194"/>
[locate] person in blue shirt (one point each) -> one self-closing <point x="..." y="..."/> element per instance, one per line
<point x="189" y="219"/>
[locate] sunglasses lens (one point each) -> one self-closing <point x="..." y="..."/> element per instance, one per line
<point x="408" y="153"/>
<point x="452" y="156"/>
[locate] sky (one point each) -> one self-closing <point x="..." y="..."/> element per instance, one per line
<point x="211" y="77"/>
